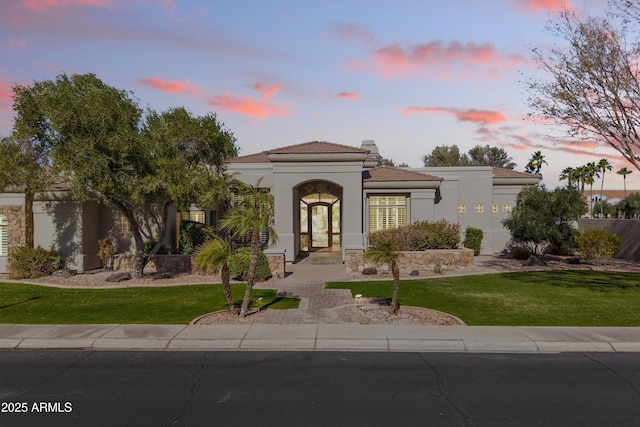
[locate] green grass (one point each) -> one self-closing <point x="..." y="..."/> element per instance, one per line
<point x="20" y="303"/>
<point x="550" y="298"/>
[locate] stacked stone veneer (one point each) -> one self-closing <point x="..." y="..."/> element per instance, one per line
<point x="16" y="229"/>
<point x="158" y="264"/>
<point x="276" y="264"/>
<point x="423" y="261"/>
<point x="182" y="264"/>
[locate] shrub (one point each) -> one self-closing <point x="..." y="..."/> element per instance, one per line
<point x="26" y="263"/>
<point x="521" y="254"/>
<point x="149" y="244"/>
<point x="194" y="234"/>
<point x="423" y="235"/>
<point x="106" y="251"/>
<point x="598" y="246"/>
<point x="473" y="239"/>
<point x="239" y="265"/>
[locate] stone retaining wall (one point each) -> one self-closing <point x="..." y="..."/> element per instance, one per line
<point x="423" y="261"/>
<point x="158" y="264"/>
<point x="16" y="232"/>
<point x="276" y="264"/>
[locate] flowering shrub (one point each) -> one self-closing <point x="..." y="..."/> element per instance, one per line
<point x="598" y="246"/>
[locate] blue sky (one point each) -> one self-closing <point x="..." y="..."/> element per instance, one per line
<point x="410" y="75"/>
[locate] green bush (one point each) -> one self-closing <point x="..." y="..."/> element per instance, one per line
<point x="473" y="239"/>
<point x="521" y="254"/>
<point x="194" y="234"/>
<point x="149" y="244"/>
<point x="423" y="235"/>
<point x="106" y="252"/>
<point x="239" y="265"/>
<point x="598" y="246"/>
<point x="27" y="263"/>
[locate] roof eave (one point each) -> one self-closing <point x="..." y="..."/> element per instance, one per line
<point x="410" y="185"/>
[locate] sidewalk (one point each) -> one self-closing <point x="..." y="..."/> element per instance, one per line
<point x="319" y="337"/>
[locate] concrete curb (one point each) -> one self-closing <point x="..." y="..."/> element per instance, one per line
<point x="321" y="337"/>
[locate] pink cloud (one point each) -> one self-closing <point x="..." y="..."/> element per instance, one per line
<point x="19" y="44"/>
<point x="267" y="92"/>
<point x="483" y="117"/>
<point x="173" y="87"/>
<point x="443" y="59"/>
<point x="6" y="101"/>
<point x="541" y="6"/>
<point x="353" y="31"/>
<point x="247" y="106"/>
<point x="347" y="95"/>
<point x="46" y="4"/>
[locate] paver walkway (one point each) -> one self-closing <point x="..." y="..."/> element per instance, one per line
<point x="306" y="280"/>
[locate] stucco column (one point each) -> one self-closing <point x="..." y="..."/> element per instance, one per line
<point x="352" y="235"/>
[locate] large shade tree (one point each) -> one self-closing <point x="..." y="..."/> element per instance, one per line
<point x="24" y="168"/>
<point x="111" y="153"/>
<point x="590" y="84"/>
<point x="479" y="155"/>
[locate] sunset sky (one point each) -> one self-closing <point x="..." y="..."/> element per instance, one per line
<point x="410" y="75"/>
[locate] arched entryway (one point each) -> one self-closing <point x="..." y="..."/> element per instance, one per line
<point x="319" y="216"/>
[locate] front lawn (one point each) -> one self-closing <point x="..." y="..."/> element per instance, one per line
<point x="31" y="304"/>
<point x="537" y="298"/>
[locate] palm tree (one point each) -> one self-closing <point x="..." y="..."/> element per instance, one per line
<point x="624" y="172"/>
<point x="569" y="174"/>
<point x="214" y="255"/>
<point x="591" y="171"/>
<point x="250" y="217"/>
<point x="604" y="166"/>
<point x="535" y="163"/>
<point x="383" y="249"/>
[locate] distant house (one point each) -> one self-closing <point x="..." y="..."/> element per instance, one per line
<point x="328" y="197"/>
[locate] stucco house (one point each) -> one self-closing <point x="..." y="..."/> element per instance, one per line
<point x="328" y="197"/>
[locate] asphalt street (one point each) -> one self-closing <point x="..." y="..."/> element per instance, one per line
<point x="114" y="388"/>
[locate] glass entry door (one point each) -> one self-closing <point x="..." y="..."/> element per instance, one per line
<point x="319" y="226"/>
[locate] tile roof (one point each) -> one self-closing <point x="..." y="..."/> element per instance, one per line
<point x="508" y="173"/>
<point x="252" y="158"/>
<point x="388" y="173"/>
<point x="317" y="147"/>
<point x="609" y="194"/>
<point x="311" y="147"/>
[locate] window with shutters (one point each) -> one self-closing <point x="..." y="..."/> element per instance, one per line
<point x="386" y="212"/>
<point x="4" y="237"/>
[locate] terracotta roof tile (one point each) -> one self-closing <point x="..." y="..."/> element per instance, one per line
<point x="507" y="173"/>
<point x="387" y="173"/>
<point x="317" y="147"/>
<point x="252" y="158"/>
<point x="312" y="147"/>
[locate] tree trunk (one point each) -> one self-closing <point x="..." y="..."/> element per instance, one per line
<point x="28" y="219"/>
<point x="395" y="306"/>
<point x="163" y="232"/>
<point x="253" y="264"/>
<point x="226" y="287"/>
<point x="138" y="257"/>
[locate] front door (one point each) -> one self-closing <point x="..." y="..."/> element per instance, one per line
<point x="320" y="226"/>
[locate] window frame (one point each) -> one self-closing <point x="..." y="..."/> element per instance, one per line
<point x="388" y="216"/>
